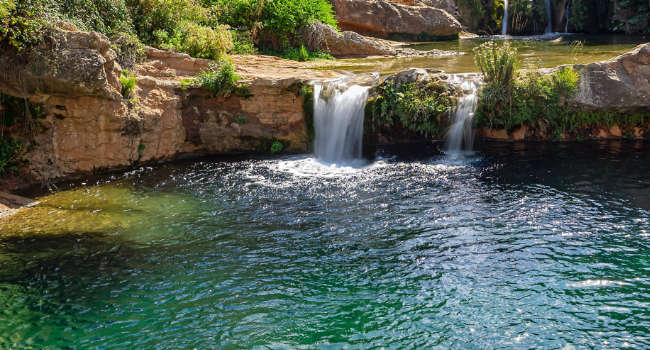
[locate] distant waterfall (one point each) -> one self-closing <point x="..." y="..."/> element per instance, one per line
<point x="504" y="21"/>
<point x="460" y="135"/>
<point x="338" y="121"/>
<point x="568" y="8"/>
<point x="549" y="17"/>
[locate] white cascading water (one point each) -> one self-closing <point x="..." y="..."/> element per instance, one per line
<point x="338" y="122"/>
<point x="504" y="21"/>
<point x="460" y="136"/>
<point x="549" y="25"/>
<point x="566" y="23"/>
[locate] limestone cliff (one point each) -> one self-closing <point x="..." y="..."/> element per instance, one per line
<point x="85" y="124"/>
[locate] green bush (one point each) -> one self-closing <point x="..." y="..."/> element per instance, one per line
<point x="197" y="40"/>
<point x="301" y="54"/>
<point x="508" y="100"/>
<point x="417" y="107"/>
<point x="242" y="14"/>
<point x="277" y="147"/>
<point x="152" y="18"/>
<point x="128" y="83"/>
<point x="128" y="48"/>
<point x="282" y="18"/>
<point x="221" y="80"/>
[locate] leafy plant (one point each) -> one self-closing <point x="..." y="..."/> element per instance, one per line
<point x="197" y="40"/>
<point x="417" y="107"/>
<point x="128" y="83"/>
<point x="221" y="80"/>
<point x="282" y="18"/>
<point x="276" y="147"/>
<point x="240" y="120"/>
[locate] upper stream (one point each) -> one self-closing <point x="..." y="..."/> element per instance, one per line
<point x="538" y="246"/>
<point x="534" y="52"/>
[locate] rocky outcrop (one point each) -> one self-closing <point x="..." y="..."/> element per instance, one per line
<point x="86" y="125"/>
<point x="321" y="37"/>
<point x="622" y="83"/>
<point x="386" y="18"/>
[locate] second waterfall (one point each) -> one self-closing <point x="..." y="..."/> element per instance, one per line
<point x="338" y="121"/>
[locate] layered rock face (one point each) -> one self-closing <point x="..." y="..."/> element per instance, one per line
<point x="87" y="125"/>
<point x="384" y="18"/>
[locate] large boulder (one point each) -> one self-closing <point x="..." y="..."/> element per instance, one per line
<point x="386" y="18"/>
<point x="321" y="37"/>
<point x="66" y="62"/>
<point x="621" y="84"/>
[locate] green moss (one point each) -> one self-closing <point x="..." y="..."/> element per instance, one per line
<point x="240" y="120"/>
<point x="417" y="107"/>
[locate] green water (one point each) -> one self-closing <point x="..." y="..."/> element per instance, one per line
<point x="532" y="54"/>
<point x="539" y="246"/>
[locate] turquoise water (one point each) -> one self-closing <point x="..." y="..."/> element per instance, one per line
<point x="516" y="247"/>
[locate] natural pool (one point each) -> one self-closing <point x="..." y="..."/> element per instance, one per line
<point x="534" y="52"/>
<point x="517" y="246"/>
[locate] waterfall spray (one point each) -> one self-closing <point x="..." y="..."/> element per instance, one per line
<point x="338" y="121"/>
<point x="460" y="135"/>
<point x="504" y="21"/>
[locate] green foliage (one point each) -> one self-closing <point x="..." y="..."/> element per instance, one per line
<point x="485" y="15"/>
<point x="527" y="17"/>
<point x="276" y="147"/>
<point x="196" y="40"/>
<point x="128" y="83"/>
<point x="128" y="48"/>
<point x="242" y="43"/>
<point x="282" y="18"/>
<point x="221" y="80"/>
<point x="509" y="100"/>
<point x="155" y="18"/>
<point x="240" y="120"/>
<point x="301" y="54"/>
<point x="10" y="150"/>
<point x="417" y="107"/>
<point x="239" y="13"/>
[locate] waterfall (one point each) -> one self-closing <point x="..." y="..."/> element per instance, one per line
<point x="338" y="121"/>
<point x="568" y="8"/>
<point x="504" y="21"/>
<point x="549" y="17"/>
<point x="460" y="135"/>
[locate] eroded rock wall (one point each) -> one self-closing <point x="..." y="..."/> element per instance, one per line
<point x="86" y="125"/>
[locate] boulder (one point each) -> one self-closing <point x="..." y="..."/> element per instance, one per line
<point x="321" y="37"/>
<point x="385" y="18"/>
<point x="621" y="84"/>
<point x="66" y="62"/>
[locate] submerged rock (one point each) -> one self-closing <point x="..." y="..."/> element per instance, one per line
<point x="385" y="18"/>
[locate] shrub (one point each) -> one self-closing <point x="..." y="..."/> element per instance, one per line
<point x="152" y="18"/>
<point x="128" y="48"/>
<point x="239" y="13"/>
<point x="222" y="80"/>
<point x="277" y="147"/>
<point x="128" y="83"/>
<point x="417" y="107"/>
<point x="282" y="18"/>
<point x="197" y="40"/>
